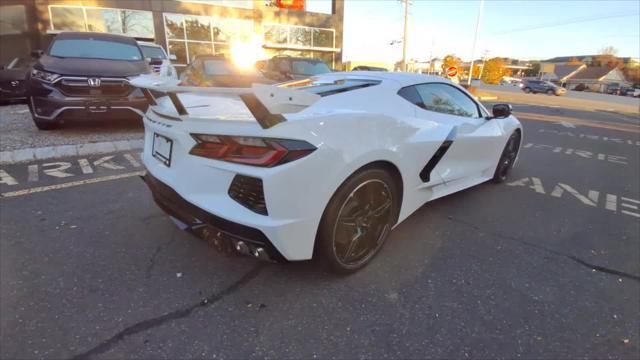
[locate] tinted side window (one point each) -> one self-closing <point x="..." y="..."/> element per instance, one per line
<point x="410" y="94"/>
<point x="447" y="99"/>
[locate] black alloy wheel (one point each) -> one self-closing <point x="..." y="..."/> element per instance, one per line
<point x="358" y="220"/>
<point x="508" y="158"/>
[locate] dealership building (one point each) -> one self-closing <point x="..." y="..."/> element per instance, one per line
<point x="185" y="28"/>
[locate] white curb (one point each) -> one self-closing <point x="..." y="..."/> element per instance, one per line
<point x="51" y="152"/>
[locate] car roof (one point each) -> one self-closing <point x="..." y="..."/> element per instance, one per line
<point x="148" y="43"/>
<point x="96" y="36"/>
<point x="402" y="78"/>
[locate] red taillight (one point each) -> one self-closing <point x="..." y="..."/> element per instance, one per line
<point x="250" y="150"/>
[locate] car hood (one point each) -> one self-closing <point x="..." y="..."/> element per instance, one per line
<point x="91" y="67"/>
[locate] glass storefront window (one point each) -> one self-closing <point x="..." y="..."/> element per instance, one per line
<point x="198" y="28"/>
<point x="174" y="26"/>
<point x="226" y="30"/>
<point x="118" y="21"/>
<point x="13" y="19"/>
<point x="275" y="34"/>
<point x="322" y="38"/>
<point x="67" y="18"/>
<point x="178" y="49"/>
<point x="203" y="35"/>
<point x="197" y="48"/>
<point x="222" y="49"/>
<point x="104" y="20"/>
<point x="137" y="23"/>
<point x="300" y="36"/>
<point x="280" y="34"/>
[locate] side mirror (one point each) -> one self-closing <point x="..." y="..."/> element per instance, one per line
<point x="501" y="111"/>
<point x="36" y="54"/>
<point x="173" y="57"/>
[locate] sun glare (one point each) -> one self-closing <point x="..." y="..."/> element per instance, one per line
<point x="245" y="54"/>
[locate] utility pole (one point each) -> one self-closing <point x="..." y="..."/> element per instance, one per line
<point x="475" y="41"/>
<point x="406" y="32"/>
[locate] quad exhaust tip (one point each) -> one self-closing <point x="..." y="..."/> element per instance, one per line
<point x="260" y="253"/>
<point x="242" y="248"/>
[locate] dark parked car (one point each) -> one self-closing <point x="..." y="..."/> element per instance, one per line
<point x="85" y="75"/>
<point x="218" y="71"/>
<point x="283" y="68"/>
<point x="368" y="68"/>
<point x="541" y="86"/>
<point x="13" y="79"/>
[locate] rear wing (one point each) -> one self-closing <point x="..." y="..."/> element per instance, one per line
<point x="266" y="103"/>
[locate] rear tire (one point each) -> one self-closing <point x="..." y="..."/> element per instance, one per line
<point x="358" y="220"/>
<point x="507" y="159"/>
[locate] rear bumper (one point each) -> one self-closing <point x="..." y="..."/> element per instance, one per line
<point x="225" y="235"/>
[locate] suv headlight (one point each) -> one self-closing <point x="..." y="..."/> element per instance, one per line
<point x="44" y="75"/>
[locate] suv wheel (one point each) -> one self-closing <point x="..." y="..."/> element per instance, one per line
<point x="527" y="90"/>
<point x="551" y="92"/>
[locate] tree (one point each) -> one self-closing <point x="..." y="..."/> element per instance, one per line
<point x="494" y="70"/>
<point x="449" y="61"/>
<point x="608" y="50"/>
<point x="607" y="60"/>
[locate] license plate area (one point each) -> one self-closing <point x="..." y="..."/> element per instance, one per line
<point x="97" y="106"/>
<point x="162" y="148"/>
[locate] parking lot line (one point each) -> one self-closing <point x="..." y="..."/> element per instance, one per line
<point x="588" y="123"/>
<point x="69" y="184"/>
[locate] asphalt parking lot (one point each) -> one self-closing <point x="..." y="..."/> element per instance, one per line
<point x="545" y="266"/>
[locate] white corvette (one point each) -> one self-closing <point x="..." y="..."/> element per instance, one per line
<point x="325" y="166"/>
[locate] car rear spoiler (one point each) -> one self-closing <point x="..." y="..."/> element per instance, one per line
<point x="266" y="103"/>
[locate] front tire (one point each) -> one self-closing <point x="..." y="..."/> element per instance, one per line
<point x="526" y="90"/>
<point x="508" y="158"/>
<point x="551" y="92"/>
<point x="357" y="220"/>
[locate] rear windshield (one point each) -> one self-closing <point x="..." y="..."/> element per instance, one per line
<point x="329" y="87"/>
<point x="153" y="52"/>
<point x="95" y="49"/>
<point x="305" y="67"/>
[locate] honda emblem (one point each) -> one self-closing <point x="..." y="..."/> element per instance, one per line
<point x="93" y="82"/>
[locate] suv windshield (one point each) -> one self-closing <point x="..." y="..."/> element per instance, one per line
<point x="307" y="67"/>
<point x="153" y="52"/>
<point x="95" y="49"/>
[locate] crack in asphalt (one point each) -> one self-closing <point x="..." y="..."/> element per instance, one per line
<point x="574" y="258"/>
<point x="147" y="324"/>
<point x="152" y="260"/>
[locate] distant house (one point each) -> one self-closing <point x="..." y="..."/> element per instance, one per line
<point x="562" y="73"/>
<point x="597" y="78"/>
<point x="563" y="60"/>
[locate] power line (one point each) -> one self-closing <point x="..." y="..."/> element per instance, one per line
<point x="564" y="22"/>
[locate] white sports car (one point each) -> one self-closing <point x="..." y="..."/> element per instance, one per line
<point x="325" y="166"/>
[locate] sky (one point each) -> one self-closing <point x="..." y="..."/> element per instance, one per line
<point x="530" y="30"/>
